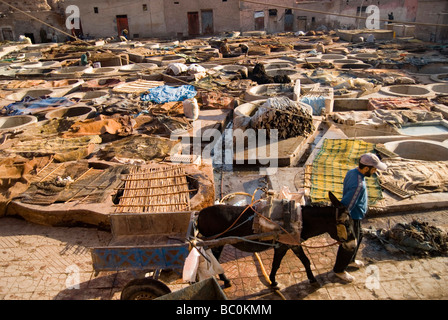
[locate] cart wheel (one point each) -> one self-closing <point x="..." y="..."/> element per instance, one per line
<point x="144" y="289"/>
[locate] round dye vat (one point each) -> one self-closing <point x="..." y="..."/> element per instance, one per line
<point x="364" y="56"/>
<point x="345" y="61"/>
<point x="16" y="122"/>
<point x="407" y="90"/>
<point x="89" y="95"/>
<point x="419" y="150"/>
<point x="79" y="112"/>
<point x="291" y="73"/>
<point x="418" y="129"/>
<point x="243" y="113"/>
<point x="330" y="56"/>
<point x="439" y="88"/>
<point x="137" y="67"/>
<point x="278" y="65"/>
<point x="36" y="93"/>
<point x="429" y="69"/>
<point x="440" y="77"/>
<point x="356" y="66"/>
<point x="99" y="71"/>
<point x="234" y="69"/>
<point x="266" y="91"/>
<point x="71" y="72"/>
<point x="162" y="61"/>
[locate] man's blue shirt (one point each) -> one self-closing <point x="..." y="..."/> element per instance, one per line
<point x="354" y="196"/>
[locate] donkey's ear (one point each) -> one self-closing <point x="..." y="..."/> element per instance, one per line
<point x="335" y="201"/>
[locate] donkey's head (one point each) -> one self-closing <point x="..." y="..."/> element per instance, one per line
<point x="344" y="224"/>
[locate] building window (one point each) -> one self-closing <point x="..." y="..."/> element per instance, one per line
<point x="145" y="7"/>
<point x="176" y="2"/>
<point x="364" y="9"/>
<point x="224" y="0"/>
<point x="272" y="12"/>
<point x="95" y="9"/>
<point x="7" y="34"/>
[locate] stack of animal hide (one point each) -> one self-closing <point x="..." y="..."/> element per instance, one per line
<point x="418" y="238"/>
<point x="290" y="118"/>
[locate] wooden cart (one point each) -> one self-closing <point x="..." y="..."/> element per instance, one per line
<point x="151" y="242"/>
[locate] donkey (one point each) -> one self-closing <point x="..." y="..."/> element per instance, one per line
<point x="316" y="220"/>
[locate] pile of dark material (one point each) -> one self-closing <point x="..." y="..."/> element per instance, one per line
<point x="290" y="118"/>
<point x="418" y="238"/>
<point x="260" y="76"/>
<point x="442" y="99"/>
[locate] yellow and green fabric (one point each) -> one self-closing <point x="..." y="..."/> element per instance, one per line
<point x="336" y="157"/>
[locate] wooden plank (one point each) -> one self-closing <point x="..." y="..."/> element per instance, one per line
<point x="232" y="240"/>
<point x="159" y="194"/>
<point x="164" y="223"/>
<point x="156" y="178"/>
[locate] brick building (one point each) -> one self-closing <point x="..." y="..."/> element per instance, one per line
<point x="193" y="18"/>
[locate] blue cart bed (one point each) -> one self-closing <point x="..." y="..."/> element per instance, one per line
<point x="146" y="241"/>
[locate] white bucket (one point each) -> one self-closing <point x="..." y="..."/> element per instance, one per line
<point x="191" y="108"/>
<point x="296" y="94"/>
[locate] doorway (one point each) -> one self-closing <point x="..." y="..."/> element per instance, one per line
<point x="77" y="32"/>
<point x="207" y="22"/>
<point x="301" y="23"/>
<point x="193" y="23"/>
<point x="7" y="34"/>
<point x="259" y="20"/>
<point x="122" y="23"/>
<point x="31" y="36"/>
<point x="289" y="20"/>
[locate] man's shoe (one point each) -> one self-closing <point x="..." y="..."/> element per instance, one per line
<point x="356" y="264"/>
<point x="344" y="276"/>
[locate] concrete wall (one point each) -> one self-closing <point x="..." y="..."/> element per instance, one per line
<point x="169" y="18"/>
<point x="425" y="11"/>
<point x="28" y="5"/>
<point x="149" y="23"/>
<point x="403" y="10"/>
<point x="431" y="11"/>
<point x="13" y="23"/>
<point x="315" y="20"/>
<point x="272" y="23"/>
<point x="21" y="24"/>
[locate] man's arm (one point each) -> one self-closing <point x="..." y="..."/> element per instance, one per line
<point x="352" y="189"/>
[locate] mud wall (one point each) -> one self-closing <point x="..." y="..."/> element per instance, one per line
<point x="201" y="17"/>
<point x="99" y="19"/>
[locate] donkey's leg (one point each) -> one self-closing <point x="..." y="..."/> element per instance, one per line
<point x="298" y="250"/>
<point x="217" y="253"/>
<point x="279" y="253"/>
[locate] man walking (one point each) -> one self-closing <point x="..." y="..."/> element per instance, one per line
<point x="355" y="199"/>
